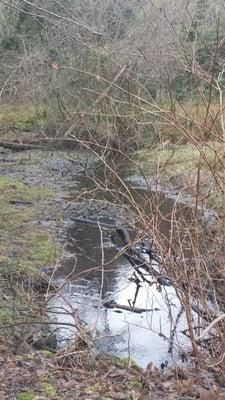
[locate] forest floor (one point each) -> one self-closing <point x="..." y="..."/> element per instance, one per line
<point x="78" y="376"/>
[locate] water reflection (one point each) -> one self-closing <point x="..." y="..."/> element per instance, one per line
<point x="146" y="337"/>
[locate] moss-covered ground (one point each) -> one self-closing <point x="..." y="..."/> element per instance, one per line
<point x="20" y="238"/>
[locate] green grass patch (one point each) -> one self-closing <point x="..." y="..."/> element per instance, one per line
<point x="14" y="218"/>
<point x="173" y="160"/>
<point x="26" y="117"/>
<point x="33" y="250"/>
<point x="167" y="158"/>
<point x="6" y="315"/>
<point x="178" y="165"/>
<point x="12" y="189"/>
<point x="26" y="246"/>
<point x="41" y="249"/>
<point x="19" y="237"/>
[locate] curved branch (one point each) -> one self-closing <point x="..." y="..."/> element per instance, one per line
<point x="208" y="329"/>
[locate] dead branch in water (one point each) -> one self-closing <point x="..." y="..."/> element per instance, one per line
<point x="113" y="304"/>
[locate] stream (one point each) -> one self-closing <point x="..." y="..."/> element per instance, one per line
<point x="92" y="271"/>
<point x="144" y="337"/>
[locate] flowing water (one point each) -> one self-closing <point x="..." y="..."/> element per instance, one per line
<point x="145" y="337"/>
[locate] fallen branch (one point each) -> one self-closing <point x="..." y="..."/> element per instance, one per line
<point x="208" y="329"/>
<point x="113" y="304"/>
<point x="95" y="222"/>
<point x="41" y="143"/>
<point x="20" y="202"/>
<point x="20" y="146"/>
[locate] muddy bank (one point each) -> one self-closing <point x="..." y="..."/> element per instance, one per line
<point x="33" y="187"/>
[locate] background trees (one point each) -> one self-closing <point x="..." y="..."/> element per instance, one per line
<point x="53" y="56"/>
<point x="135" y="72"/>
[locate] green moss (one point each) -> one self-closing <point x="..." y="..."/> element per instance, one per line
<point x="26" y="396"/>
<point x="31" y="356"/>
<point x="6" y="315"/>
<point x="134" y="384"/>
<point x="125" y="361"/>
<point x="48" y="353"/>
<point x="94" y="388"/>
<point x="49" y="390"/>
<point x="32" y="246"/>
